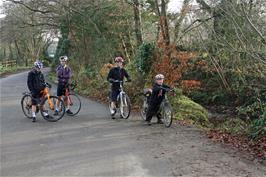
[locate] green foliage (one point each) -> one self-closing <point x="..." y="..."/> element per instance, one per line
<point x="93" y="36"/>
<point x="89" y="71"/>
<point x="245" y="90"/>
<point x="258" y="127"/>
<point x="253" y="110"/>
<point x="9" y="70"/>
<point x="217" y="97"/>
<point x="230" y="125"/>
<point x="144" y="57"/>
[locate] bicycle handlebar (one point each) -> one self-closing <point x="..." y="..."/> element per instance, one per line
<point x="72" y="85"/>
<point x="118" y="81"/>
<point x="167" y="89"/>
<point x="48" y="85"/>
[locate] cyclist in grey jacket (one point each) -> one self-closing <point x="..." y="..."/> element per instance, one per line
<point x="36" y="85"/>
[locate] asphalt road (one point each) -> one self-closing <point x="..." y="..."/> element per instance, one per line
<point x="92" y="144"/>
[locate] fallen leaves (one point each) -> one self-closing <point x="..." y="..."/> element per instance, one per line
<point x="255" y="147"/>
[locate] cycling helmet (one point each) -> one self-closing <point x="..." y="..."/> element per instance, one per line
<point x="159" y="77"/>
<point x="119" y="59"/>
<point x="63" y="58"/>
<point x="38" y="64"/>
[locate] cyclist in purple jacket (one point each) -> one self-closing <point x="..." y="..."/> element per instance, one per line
<point x="63" y="73"/>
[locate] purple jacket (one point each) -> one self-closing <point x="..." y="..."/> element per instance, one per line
<point x="63" y="74"/>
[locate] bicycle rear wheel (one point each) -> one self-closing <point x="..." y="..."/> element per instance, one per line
<point x="125" y="106"/>
<point x="75" y="104"/>
<point x="144" y="109"/>
<point x="49" y="106"/>
<point x="167" y="116"/>
<point x="26" y="105"/>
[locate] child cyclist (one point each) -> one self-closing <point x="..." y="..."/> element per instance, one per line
<point x="117" y="73"/>
<point x="156" y="98"/>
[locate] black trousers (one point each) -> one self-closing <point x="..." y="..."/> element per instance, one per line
<point x="61" y="89"/>
<point x="152" y="111"/>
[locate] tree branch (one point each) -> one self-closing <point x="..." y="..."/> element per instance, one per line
<point x="28" y="7"/>
<point x="205" y="6"/>
<point x="189" y="28"/>
<point x="182" y="16"/>
<point x="252" y="25"/>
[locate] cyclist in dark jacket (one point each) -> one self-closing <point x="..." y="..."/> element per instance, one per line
<point x="36" y="84"/>
<point x="156" y="98"/>
<point x="63" y="73"/>
<point x="117" y="73"/>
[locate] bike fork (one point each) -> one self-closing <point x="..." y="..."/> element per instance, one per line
<point x="121" y="103"/>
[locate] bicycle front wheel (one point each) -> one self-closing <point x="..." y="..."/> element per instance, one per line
<point x="26" y="106"/>
<point x="49" y="106"/>
<point x="75" y="104"/>
<point x="167" y="116"/>
<point x="144" y="109"/>
<point x="125" y="106"/>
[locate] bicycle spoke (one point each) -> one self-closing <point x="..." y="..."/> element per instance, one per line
<point x="75" y="104"/>
<point x="167" y="114"/>
<point x="125" y="107"/>
<point x="50" y="107"/>
<point x="26" y="105"/>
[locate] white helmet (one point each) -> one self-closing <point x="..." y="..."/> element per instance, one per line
<point x="38" y="64"/>
<point x="159" y="77"/>
<point x="63" y="58"/>
<point x="119" y="59"/>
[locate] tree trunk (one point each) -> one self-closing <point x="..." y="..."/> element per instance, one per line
<point x="20" y="57"/>
<point x="4" y="53"/>
<point x="182" y="16"/>
<point x="165" y="23"/>
<point x="10" y="56"/>
<point x="137" y="18"/>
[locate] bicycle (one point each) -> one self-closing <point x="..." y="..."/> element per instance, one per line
<point x="122" y="102"/>
<point x="73" y="99"/>
<point x="47" y="101"/>
<point x="165" y="107"/>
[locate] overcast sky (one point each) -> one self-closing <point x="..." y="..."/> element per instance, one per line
<point x="1" y="15"/>
<point x="173" y="6"/>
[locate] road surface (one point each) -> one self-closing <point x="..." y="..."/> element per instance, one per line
<point x="92" y="144"/>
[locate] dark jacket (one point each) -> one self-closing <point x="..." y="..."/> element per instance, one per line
<point x="158" y="94"/>
<point x="63" y="74"/>
<point x="35" y="81"/>
<point x="117" y="73"/>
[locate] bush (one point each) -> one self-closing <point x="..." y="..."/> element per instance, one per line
<point x="252" y="111"/>
<point x="258" y="127"/>
<point x="9" y="70"/>
<point x="144" y="57"/>
<point x="231" y="125"/>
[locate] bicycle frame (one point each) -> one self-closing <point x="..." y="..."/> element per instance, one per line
<point x="121" y="93"/>
<point x="67" y="99"/>
<point x="164" y="102"/>
<point x="46" y="104"/>
<point x="45" y="93"/>
<point x="122" y="101"/>
<point x="67" y="92"/>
